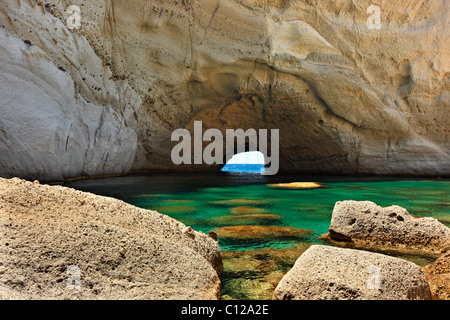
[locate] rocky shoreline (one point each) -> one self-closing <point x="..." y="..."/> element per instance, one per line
<point x="59" y="243"/>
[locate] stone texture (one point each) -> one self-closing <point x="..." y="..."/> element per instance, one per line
<point x="438" y="276"/>
<point x="329" y="273"/>
<point x="254" y="274"/>
<point x="248" y="210"/>
<point x="363" y="222"/>
<point x="251" y="219"/>
<point x="347" y="99"/>
<point x="261" y="232"/>
<point x="122" y="252"/>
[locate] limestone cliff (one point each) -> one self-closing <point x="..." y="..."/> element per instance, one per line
<point x="106" y="98"/>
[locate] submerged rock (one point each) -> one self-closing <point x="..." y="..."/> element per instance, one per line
<point x="276" y="64"/>
<point x="239" y="202"/>
<point x="173" y="202"/>
<point x="51" y="235"/>
<point x="364" y="223"/>
<point x="189" y="232"/>
<point x="283" y="258"/>
<point x="248" y="210"/>
<point x="261" y="232"/>
<point x="329" y="273"/>
<point x="254" y="274"/>
<point x="251" y="219"/>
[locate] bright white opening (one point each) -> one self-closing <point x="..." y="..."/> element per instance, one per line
<point x="254" y="157"/>
<point x="246" y="162"/>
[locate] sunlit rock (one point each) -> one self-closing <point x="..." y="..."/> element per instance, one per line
<point x="254" y="274"/>
<point x="247" y="210"/>
<point x="297" y="185"/>
<point x="365" y="223"/>
<point x="329" y="273"/>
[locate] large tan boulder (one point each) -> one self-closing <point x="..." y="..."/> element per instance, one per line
<point x="367" y="224"/>
<point x="50" y="236"/>
<point x="330" y="273"/>
<point x="257" y="232"/>
<point x="347" y="98"/>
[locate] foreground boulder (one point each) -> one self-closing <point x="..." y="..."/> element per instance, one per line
<point x="58" y="243"/>
<point x="329" y="273"/>
<point x="366" y="224"/>
<point x="438" y="276"/>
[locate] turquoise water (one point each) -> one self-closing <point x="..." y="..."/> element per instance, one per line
<point x="206" y="209"/>
<point x="254" y="264"/>
<point x="247" y="168"/>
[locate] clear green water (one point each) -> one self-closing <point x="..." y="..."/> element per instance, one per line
<point x="202" y="202"/>
<point x="306" y="209"/>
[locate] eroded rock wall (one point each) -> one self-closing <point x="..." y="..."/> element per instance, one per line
<point x="347" y="99"/>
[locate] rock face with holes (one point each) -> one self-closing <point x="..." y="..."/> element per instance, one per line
<point x="328" y="273"/>
<point x="54" y="238"/>
<point x="365" y="223"/>
<point x="106" y="98"/>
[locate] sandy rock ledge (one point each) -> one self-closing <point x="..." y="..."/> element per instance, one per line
<point x="49" y="233"/>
